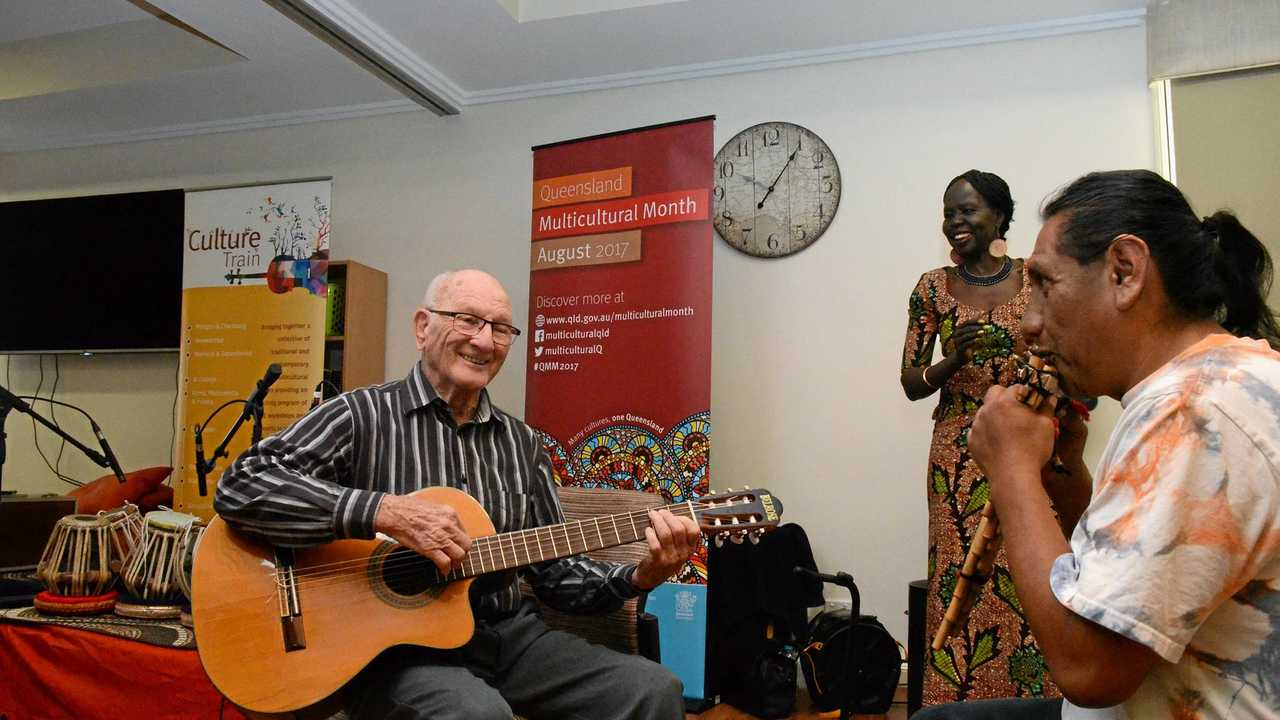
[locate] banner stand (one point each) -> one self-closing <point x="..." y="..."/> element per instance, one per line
<point x="618" y="375"/>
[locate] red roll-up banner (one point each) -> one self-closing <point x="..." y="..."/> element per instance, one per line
<point x="619" y="368"/>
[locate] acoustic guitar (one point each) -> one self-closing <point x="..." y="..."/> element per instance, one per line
<point x="281" y="629"/>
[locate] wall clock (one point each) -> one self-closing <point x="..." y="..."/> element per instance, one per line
<point x="777" y="187"/>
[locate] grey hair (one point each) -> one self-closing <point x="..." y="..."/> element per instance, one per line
<point x="433" y="288"/>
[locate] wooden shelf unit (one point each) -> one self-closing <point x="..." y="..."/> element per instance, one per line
<point x="356" y="356"/>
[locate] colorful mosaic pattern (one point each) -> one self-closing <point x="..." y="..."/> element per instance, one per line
<point x="631" y="456"/>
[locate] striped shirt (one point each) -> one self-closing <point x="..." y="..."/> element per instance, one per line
<point x="323" y="477"/>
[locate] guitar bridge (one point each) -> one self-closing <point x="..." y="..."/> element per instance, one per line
<point x="294" y="636"/>
<point x="291" y="627"/>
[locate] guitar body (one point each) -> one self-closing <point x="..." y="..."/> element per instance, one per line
<point x="346" y="618"/>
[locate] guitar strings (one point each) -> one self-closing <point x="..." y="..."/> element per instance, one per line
<point x="337" y="574"/>
<point x="485" y="544"/>
<point x="403" y="563"/>
<point x="494" y="544"/>
<point x="252" y="621"/>
<point x="399" y="564"/>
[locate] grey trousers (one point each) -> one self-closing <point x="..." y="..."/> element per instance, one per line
<point x="1003" y="709"/>
<point x="515" y="664"/>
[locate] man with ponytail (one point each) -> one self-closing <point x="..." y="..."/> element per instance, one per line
<point x="1154" y="584"/>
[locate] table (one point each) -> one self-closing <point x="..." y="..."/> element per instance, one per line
<point x="50" y="671"/>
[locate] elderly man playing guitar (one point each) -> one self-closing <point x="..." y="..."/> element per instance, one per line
<point x="347" y="470"/>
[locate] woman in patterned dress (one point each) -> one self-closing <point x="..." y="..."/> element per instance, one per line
<point x="975" y="308"/>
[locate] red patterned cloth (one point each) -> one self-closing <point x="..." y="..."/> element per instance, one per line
<point x="51" y="671"/>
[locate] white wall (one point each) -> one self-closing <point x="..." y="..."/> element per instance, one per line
<point x="805" y="394"/>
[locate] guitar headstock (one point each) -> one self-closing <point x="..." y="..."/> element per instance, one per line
<point x="740" y="515"/>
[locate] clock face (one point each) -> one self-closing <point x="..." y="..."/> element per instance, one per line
<point x="777" y="189"/>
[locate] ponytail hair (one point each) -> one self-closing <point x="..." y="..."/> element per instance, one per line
<point x="1212" y="268"/>
<point x="1244" y="267"/>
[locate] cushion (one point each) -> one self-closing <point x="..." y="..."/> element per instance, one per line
<point x="140" y="487"/>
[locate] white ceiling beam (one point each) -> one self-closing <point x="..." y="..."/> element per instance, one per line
<point x="351" y="33"/>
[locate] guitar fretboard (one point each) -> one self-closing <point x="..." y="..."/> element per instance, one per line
<point x="495" y="553"/>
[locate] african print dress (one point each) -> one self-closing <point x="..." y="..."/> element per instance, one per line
<point x="995" y="656"/>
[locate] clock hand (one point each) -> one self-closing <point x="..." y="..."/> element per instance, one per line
<point x="769" y="192"/>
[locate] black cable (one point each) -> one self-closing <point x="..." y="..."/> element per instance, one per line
<point x="8" y="366"/>
<point x="57" y="374"/>
<point x="173" y="419"/>
<point x="204" y="426"/>
<point x="220" y="409"/>
<point x="51" y="401"/>
<point x="35" y="434"/>
<point x="35" y="428"/>
<point x="59" y="403"/>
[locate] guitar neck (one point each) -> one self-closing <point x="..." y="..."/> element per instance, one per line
<point x="507" y="551"/>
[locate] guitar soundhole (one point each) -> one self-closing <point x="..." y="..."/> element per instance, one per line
<point x="407" y="573"/>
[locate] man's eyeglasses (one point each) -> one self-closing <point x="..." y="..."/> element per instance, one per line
<point x="468" y="324"/>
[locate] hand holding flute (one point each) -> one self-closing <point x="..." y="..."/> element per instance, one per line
<point x="1026" y="435"/>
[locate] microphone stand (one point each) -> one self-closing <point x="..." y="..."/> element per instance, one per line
<point x="9" y="401"/>
<point x="253" y="410"/>
<point x="844" y="580"/>
<point x="5" y="407"/>
<point x="203" y="467"/>
<point x="255" y="430"/>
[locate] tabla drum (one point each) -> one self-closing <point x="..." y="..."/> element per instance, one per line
<point x="75" y="567"/>
<point x="148" y="574"/>
<point x="184" y="559"/>
<point x="183" y="562"/>
<point x="125" y="524"/>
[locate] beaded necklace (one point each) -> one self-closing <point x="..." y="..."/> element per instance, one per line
<point x="993" y="279"/>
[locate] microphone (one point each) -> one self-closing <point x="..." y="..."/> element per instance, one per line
<point x="260" y="392"/>
<point x="106" y="450"/>
<point x="200" y="469"/>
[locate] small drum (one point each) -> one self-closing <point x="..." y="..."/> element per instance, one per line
<point x="148" y="572"/>
<point x="125" y="524"/>
<point x="184" y="561"/>
<point x="75" y="567"/>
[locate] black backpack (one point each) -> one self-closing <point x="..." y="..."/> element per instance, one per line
<point x="875" y="657"/>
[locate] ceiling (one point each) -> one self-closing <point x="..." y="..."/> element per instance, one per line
<point x="84" y="72"/>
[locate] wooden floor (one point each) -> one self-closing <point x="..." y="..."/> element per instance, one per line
<point x="804" y="712"/>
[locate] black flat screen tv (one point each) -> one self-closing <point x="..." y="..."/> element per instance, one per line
<point x="91" y="274"/>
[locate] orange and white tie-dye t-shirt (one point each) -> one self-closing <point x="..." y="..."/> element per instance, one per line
<point x="1179" y="548"/>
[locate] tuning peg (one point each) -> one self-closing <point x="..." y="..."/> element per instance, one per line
<point x="720" y="540"/>
<point x="755" y="536"/>
<point x="736" y="538"/>
<point x="746" y="487"/>
<point x="729" y="490"/>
